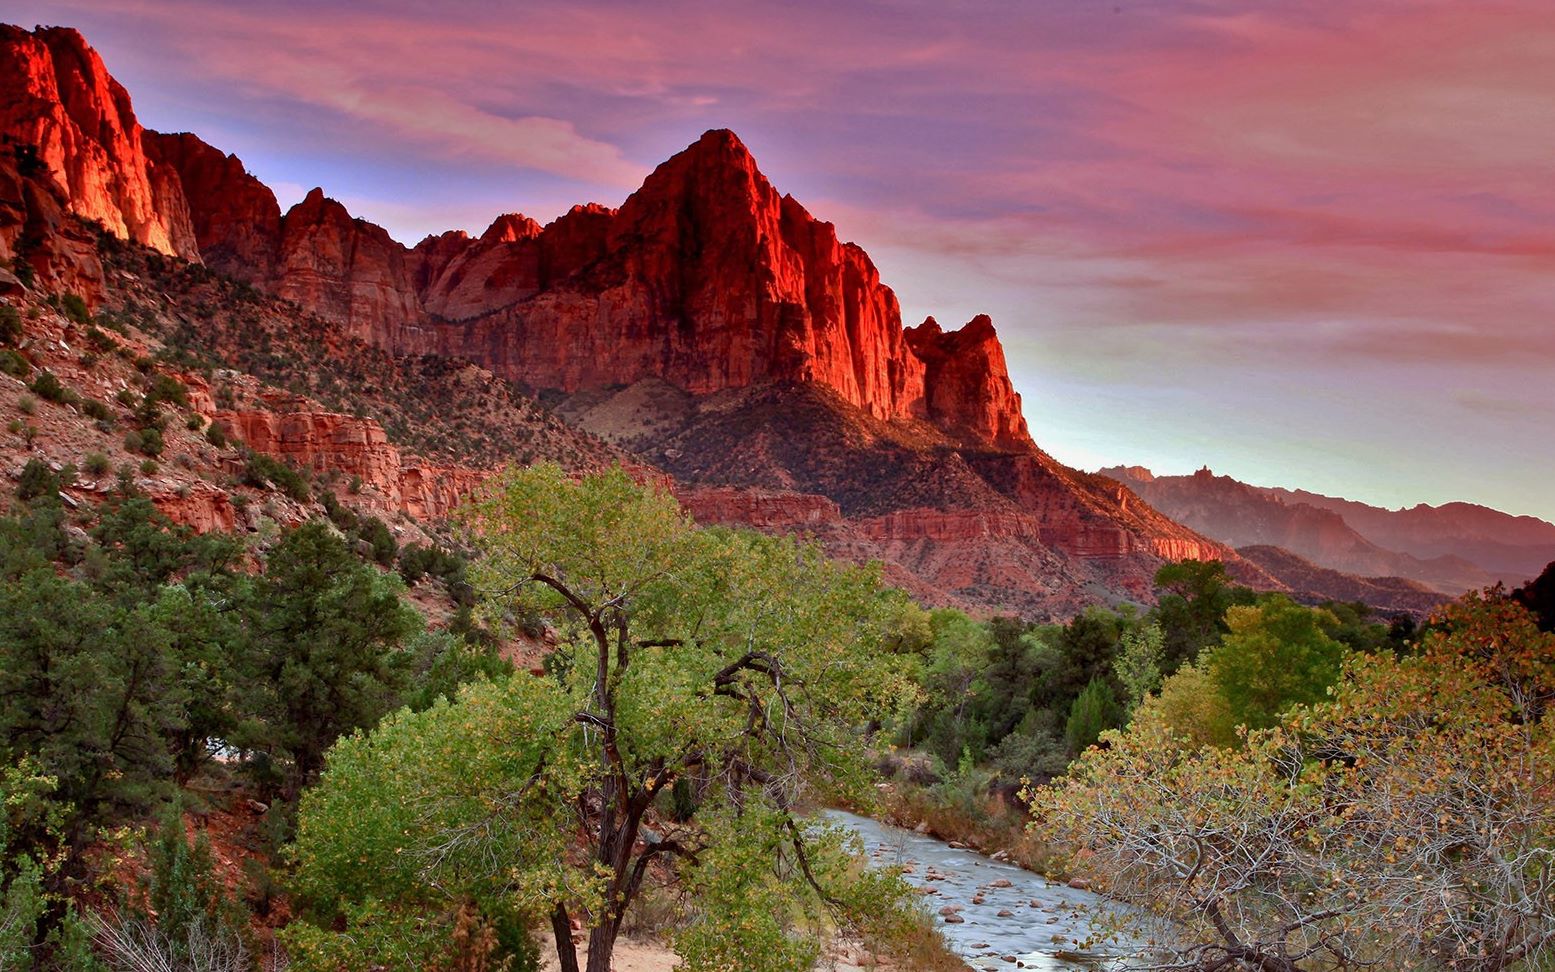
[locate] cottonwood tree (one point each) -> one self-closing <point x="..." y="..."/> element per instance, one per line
<point x="1406" y="822"/>
<point x="740" y="667"/>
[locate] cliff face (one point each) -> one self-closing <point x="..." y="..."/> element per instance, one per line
<point x="60" y="100"/>
<point x="968" y="385"/>
<point x="236" y="220"/>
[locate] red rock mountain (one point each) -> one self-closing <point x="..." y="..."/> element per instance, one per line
<point x="60" y="101"/>
<point x="709" y="324"/>
<point x="1450" y="549"/>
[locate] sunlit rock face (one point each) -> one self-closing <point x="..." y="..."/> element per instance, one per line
<point x="60" y="100"/>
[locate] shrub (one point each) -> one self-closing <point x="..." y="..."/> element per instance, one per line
<point x="14" y="364"/>
<point x="74" y="307"/>
<point x="194" y="422"/>
<point x="10" y="325"/>
<point x="148" y="467"/>
<point x="47" y="386"/>
<point x="151" y="441"/>
<point x="261" y="470"/>
<point x="95" y="409"/>
<point x="166" y="388"/>
<point x="1093" y="712"/>
<point x="37" y="480"/>
<point x="27" y="405"/>
<point x="97" y="464"/>
<point x="376" y="532"/>
<point x="217" y="435"/>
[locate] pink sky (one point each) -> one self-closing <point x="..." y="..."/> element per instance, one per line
<point x="1308" y="244"/>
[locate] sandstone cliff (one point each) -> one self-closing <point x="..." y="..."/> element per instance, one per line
<point x="78" y="122"/>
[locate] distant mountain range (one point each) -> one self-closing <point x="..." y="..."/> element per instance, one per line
<point x="1449" y="549"/>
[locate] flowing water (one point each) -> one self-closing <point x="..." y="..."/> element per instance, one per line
<point x="1010" y="917"/>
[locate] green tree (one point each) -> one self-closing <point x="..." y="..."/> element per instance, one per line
<point x="328" y="653"/>
<point x="1275" y="655"/>
<point x="1095" y="710"/>
<point x="1138" y="665"/>
<point x="1194" y="596"/>
<point x="88" y="691"/>
<point x="742" y="664"/>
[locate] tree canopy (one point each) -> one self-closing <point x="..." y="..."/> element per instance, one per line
<point x="1402" y="822"/>
<point x="735" y="669"/>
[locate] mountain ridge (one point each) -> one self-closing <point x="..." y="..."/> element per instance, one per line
<point x="1435" y="545"/>
<point x="791" y="374"/>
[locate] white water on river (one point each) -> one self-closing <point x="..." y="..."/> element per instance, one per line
<point x="1010" y="917"/>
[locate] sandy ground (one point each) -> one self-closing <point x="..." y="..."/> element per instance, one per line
<point x="648" y="957"/>
<point x="629" y="957"/>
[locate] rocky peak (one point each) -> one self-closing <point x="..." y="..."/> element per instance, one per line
<point x="706" y="277"/>
<point x="61" y="100"/>
<point x="509" y="228"/>
<point x="967" y="383"/>
<point x="237" y="221"/>
<point x="346" y="269"/>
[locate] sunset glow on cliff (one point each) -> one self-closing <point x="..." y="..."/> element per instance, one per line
<point x="1303" y="244"/>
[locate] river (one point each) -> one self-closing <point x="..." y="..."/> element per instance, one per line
<point x="1010" y="917"/>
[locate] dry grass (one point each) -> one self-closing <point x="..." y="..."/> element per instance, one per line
<point x="985" y="822"/>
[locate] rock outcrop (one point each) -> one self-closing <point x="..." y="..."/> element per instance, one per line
<point x="236" y="220"/>
<point x="345" y="269"/>
<point x="292" y="429"/>
<point x="80" y="129"/>
<point x="968" y="385"/>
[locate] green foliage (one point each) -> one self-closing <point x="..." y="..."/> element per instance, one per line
<point x="261" y="471"/>
<point x="94" y="409"/>
<point x="187" y="896"/>
<point x="36" y="480"/>
<point x="73" y="306"/>
<point x="1194" y="597"/>
<point x="47" y="386"/>
<point x="330" y="656"/>
<point x="166" y="388"/>
<point x="96" y="464"/>
<point x="24" y="817"/>
<point x="670" y="641"/>
<point x="1275" y="655"/>
<point x="218" y="435"/>
<point x="376" y="533"/>
<point x="1094" y="711"/>
<point x="14" y="364"/>
<point x="147" y="441"/>
<point x="1138" y="665"/>
<point x="10" y="325"/>
<point x="124" y="675"/>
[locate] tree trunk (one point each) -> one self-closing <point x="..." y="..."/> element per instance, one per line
<point x="602" y="944"/>
<point x="561" y="928"/>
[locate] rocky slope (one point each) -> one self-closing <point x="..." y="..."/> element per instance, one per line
<point x="1242" y="515"/>
<point x="1313" y="584"/>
